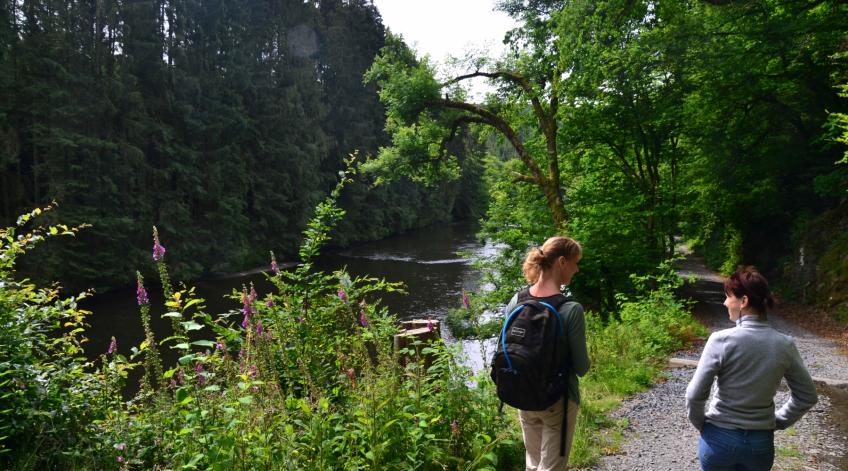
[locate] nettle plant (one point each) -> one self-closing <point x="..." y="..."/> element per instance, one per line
<point x="304" y="377"/>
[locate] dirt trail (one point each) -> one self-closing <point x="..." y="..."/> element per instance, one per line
<point x="659" y="436"/>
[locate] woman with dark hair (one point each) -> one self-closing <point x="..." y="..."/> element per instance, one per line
<point x="547" y="436"/>
<point x="747" y="364"/>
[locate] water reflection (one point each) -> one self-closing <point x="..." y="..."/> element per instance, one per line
<point x="425" y="260"/>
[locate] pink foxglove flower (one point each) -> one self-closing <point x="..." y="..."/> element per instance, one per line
<point x="141" y="294"/>
<point x="113" y="346"/>
<point x="245" y="300"/>
<point x="198" y="369"/>
<point x="158" y="250"/>
<point x="342" y="295"/>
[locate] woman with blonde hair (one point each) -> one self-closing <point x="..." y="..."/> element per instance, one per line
<point x="549" y="432"/>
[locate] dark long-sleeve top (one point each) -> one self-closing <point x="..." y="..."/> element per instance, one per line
<point x="747" y="362"/>
<point x="575" y="337"/>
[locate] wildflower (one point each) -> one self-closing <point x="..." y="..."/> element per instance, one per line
<point x="198" y="369"/>
<point x="141" y="293"/>
<point x="274" y="268"/>
<point x="465" y="302"/>
<point x="429" y="325"/>
<point x="245" y="299"/>
<point x="220" y="346"/>
<point x="259" y="328"/>
<point x="113" y="346"/>
<point x="363" y="321"/>
<point x="120" y="459"/>
<point x="158" y="250"/>
<point x="454" y="427"/>
<point x="270" y="301"/>
<point x="300" y="320"/>
<point x="120" y="446"/>
<point x="342" y="295"/>
<point x="351" y="374"/>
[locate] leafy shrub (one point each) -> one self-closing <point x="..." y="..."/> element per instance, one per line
<point x="50" y="394"/>
<point x="305" y="377"/>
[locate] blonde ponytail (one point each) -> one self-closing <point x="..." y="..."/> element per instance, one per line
<point x="539" y="259"/>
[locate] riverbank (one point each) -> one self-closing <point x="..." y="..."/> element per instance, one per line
<point x="659" y="436"/>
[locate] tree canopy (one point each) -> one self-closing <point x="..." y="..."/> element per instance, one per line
<point x="634" y="123"/>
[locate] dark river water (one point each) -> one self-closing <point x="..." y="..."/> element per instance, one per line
<point x="426" y="260"/>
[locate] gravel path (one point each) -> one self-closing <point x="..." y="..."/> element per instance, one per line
<point x="659" y="436"/>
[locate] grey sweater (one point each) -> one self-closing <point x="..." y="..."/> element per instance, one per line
<point x="575" y="339"/>
<point x="748" y="362"/>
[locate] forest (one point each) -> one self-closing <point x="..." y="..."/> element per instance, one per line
<point x="242" y="127"/>
<point x="222" y="123"/>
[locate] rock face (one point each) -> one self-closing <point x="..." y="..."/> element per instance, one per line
<point x="818" y="273"/>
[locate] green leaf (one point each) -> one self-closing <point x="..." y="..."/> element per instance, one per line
<point x="246" y="400"/>
<point x="203" y="343"/>
<point x="191" y="325"/>
<point x="185" y="360"/>
<point x="173" y="314"/>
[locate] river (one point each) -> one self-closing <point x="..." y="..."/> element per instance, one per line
<point x="426" y="260"/>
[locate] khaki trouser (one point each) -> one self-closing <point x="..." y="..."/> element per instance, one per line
<point x="542" y="431"/>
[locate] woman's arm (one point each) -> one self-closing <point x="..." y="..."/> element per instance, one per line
<point x="579" y="354"/>
<point x="802" y="391"/>
<point x="698" y="390"/>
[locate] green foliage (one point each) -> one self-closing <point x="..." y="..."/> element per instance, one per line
<point x="627" y="353"/>
<point x="308" y="379"/>
<point x="407" y="88"/>
<point x="51" y="397"/>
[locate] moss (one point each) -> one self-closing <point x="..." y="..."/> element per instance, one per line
<point x="832" y="274"/>
<point x="818" y="272"/>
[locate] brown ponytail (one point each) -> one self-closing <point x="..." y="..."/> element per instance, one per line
<point x="747" y="281"/>
<point x="539" y="259"/>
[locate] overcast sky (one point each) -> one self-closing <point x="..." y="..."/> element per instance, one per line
<point x="444" y="27"/>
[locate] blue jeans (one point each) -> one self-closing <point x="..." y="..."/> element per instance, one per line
<point x="722" y="449"/>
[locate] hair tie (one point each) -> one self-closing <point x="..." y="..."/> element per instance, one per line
<point x="540" y="251"/>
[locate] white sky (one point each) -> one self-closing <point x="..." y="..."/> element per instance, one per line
<point x="447" y="27"/>
<point x="443" y="27"/>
